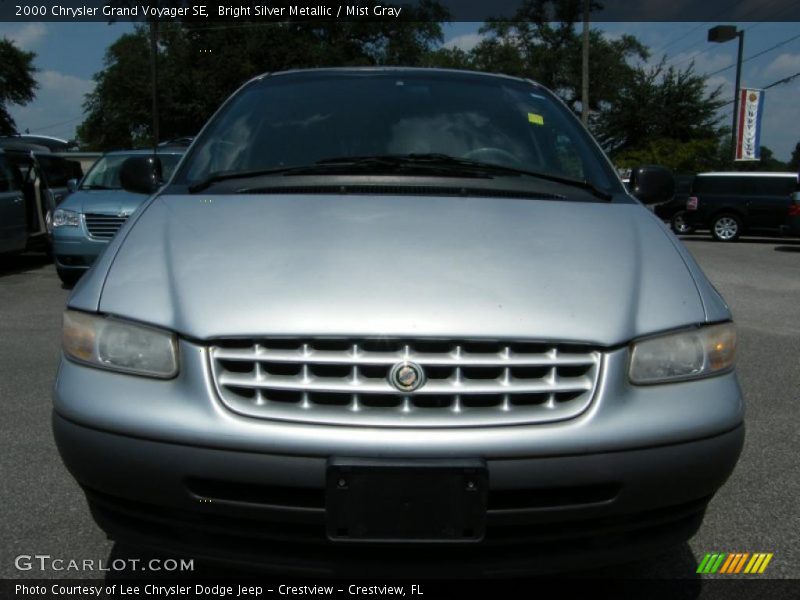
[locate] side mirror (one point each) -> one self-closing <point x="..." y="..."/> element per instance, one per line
<point x="72" y="185"/>
<point x="652" y="184"/>
<point x="140" y="174"/>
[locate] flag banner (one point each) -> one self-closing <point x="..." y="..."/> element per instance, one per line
<point x="748" y="130"/>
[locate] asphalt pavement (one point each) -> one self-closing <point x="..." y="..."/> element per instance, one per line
<point x="44" y="512"/>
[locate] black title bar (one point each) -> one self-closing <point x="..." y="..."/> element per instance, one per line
<point x="455" y="10"/>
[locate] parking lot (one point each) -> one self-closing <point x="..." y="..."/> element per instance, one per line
<point x="44" y="511"/>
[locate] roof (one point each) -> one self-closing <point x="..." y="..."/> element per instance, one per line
<point x="165" y="150"/>
<point x="394" y="70"/>
<point x="747" y="174"/>
<point x="45" y="141"/>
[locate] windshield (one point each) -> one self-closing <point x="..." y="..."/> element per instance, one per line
<point x="300" y="119"/>
<point x="105" y="172"/>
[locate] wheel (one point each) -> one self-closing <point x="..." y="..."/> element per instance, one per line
<point x="726" y="228"/>
<point x="68" y="278"/>
<point x="679" y="224"/>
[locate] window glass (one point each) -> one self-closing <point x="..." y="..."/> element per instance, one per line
<point x="105" y="172"/>
<point x="744" y="185"/>
<point x="58" y="171"/>
<point x="288" y="121"/>
<point x="775" y="186"/>
<point x="8" y="182"/>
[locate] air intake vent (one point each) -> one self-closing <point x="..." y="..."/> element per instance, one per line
<point x="104" y="227"/>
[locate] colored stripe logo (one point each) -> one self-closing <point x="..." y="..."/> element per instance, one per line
<point x="734" y="563"/>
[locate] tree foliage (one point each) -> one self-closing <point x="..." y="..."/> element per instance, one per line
<point x="639" y="114"/>
<point x="17" y="83"/>
<point x="794" y="161"/>
<point x="664" y="107"/>
<point x="200" y="65"/>
<point x="541" y="42"/>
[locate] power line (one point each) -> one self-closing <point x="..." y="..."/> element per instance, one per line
<point x="696" y="54"/>
<point x="770" y="49"/>
<point x="740" y="19"/>
<point x="701" y="25"/>
<point x="678" y="39"/>
<point x="772" y="85"/>
<point x="54" y="125"/>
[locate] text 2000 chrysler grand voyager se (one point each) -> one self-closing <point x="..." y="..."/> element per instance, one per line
<point x="384" y="309"/>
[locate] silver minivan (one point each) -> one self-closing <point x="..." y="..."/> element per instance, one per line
<point x="391" y="318"/>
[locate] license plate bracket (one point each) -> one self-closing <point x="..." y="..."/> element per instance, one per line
<point x="406" y="501"/>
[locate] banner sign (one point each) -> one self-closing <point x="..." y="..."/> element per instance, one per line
<point x="748" y="130"/>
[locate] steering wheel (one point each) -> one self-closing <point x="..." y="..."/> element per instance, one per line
<point x="493" y="155"/>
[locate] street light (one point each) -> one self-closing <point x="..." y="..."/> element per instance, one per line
<point x="719" y="35"/>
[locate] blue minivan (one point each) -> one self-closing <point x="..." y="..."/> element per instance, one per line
<point x="91" y="215"/>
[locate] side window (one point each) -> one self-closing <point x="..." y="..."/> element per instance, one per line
<point x="8" y="179"/>
<point x="719" y="184"/>
<point x="743" y="186"/>
<point x="775" y="186"/>
<point x="56" y="170"/>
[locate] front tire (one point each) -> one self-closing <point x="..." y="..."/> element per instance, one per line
<point x="726" y="227"/>
<point x="679" y="224"/>
<point x="68" y="278"/>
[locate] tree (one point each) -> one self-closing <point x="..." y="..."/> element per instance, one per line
<point x="664" y="115"/>
<point x="201" y="64"/>
<point x="794" y="161"/>
<point x="767" y="162"/>
<point x="693" y="156"/>
<point x="119" y="107"/>
<point x="541" y="42"/>
<point x="17" y="83"/>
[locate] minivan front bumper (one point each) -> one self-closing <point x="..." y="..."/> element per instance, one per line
<point x="165" y="464"/>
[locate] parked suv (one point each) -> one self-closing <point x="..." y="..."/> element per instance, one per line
<point x="94" y="212"/>
<point x="397" y="320"/>
<point x="731" y="204"/>
<point x="792" y="224"/>
<point x="674" y="211"/>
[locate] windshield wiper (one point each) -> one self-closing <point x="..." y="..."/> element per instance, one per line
<point x="392" y="163"/>
<point x="226" y="175"/>
<point x="98" y="187"/>
<point x="446" y="161"/>
<point x="370" y="164"/>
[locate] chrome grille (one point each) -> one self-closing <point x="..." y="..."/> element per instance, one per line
<point x="103" y="227"/>
<point x="346" y="381"/>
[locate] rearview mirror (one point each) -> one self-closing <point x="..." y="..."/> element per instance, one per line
<point x="141" y="174"/>
<point x="72" y="185"/>
<point x="652" y="184"/>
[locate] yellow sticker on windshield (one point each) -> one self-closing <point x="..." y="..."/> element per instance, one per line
<point x="535" y="119"/>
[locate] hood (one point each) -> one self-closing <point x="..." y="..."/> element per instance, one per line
<point x="242" y="266"/>
<point x="107" y="202"/>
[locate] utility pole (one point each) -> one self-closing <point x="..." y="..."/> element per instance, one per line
<point x="719" y="35"/>
<point x="585" y="66"/>
<point x="734" y="133"/>
<point x="154" y="79"/>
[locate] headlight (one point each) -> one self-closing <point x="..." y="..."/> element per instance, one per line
<point x="111" y="343"/>
<point x="66" y="218"/>
<point x="684" y="355"/>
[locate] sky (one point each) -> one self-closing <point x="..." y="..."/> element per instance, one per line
<point x="68" y="54"/>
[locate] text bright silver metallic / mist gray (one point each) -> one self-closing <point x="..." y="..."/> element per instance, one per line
<point x="567" y="347"/>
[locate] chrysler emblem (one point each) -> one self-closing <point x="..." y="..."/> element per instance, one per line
<point x="407" y="376"/>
